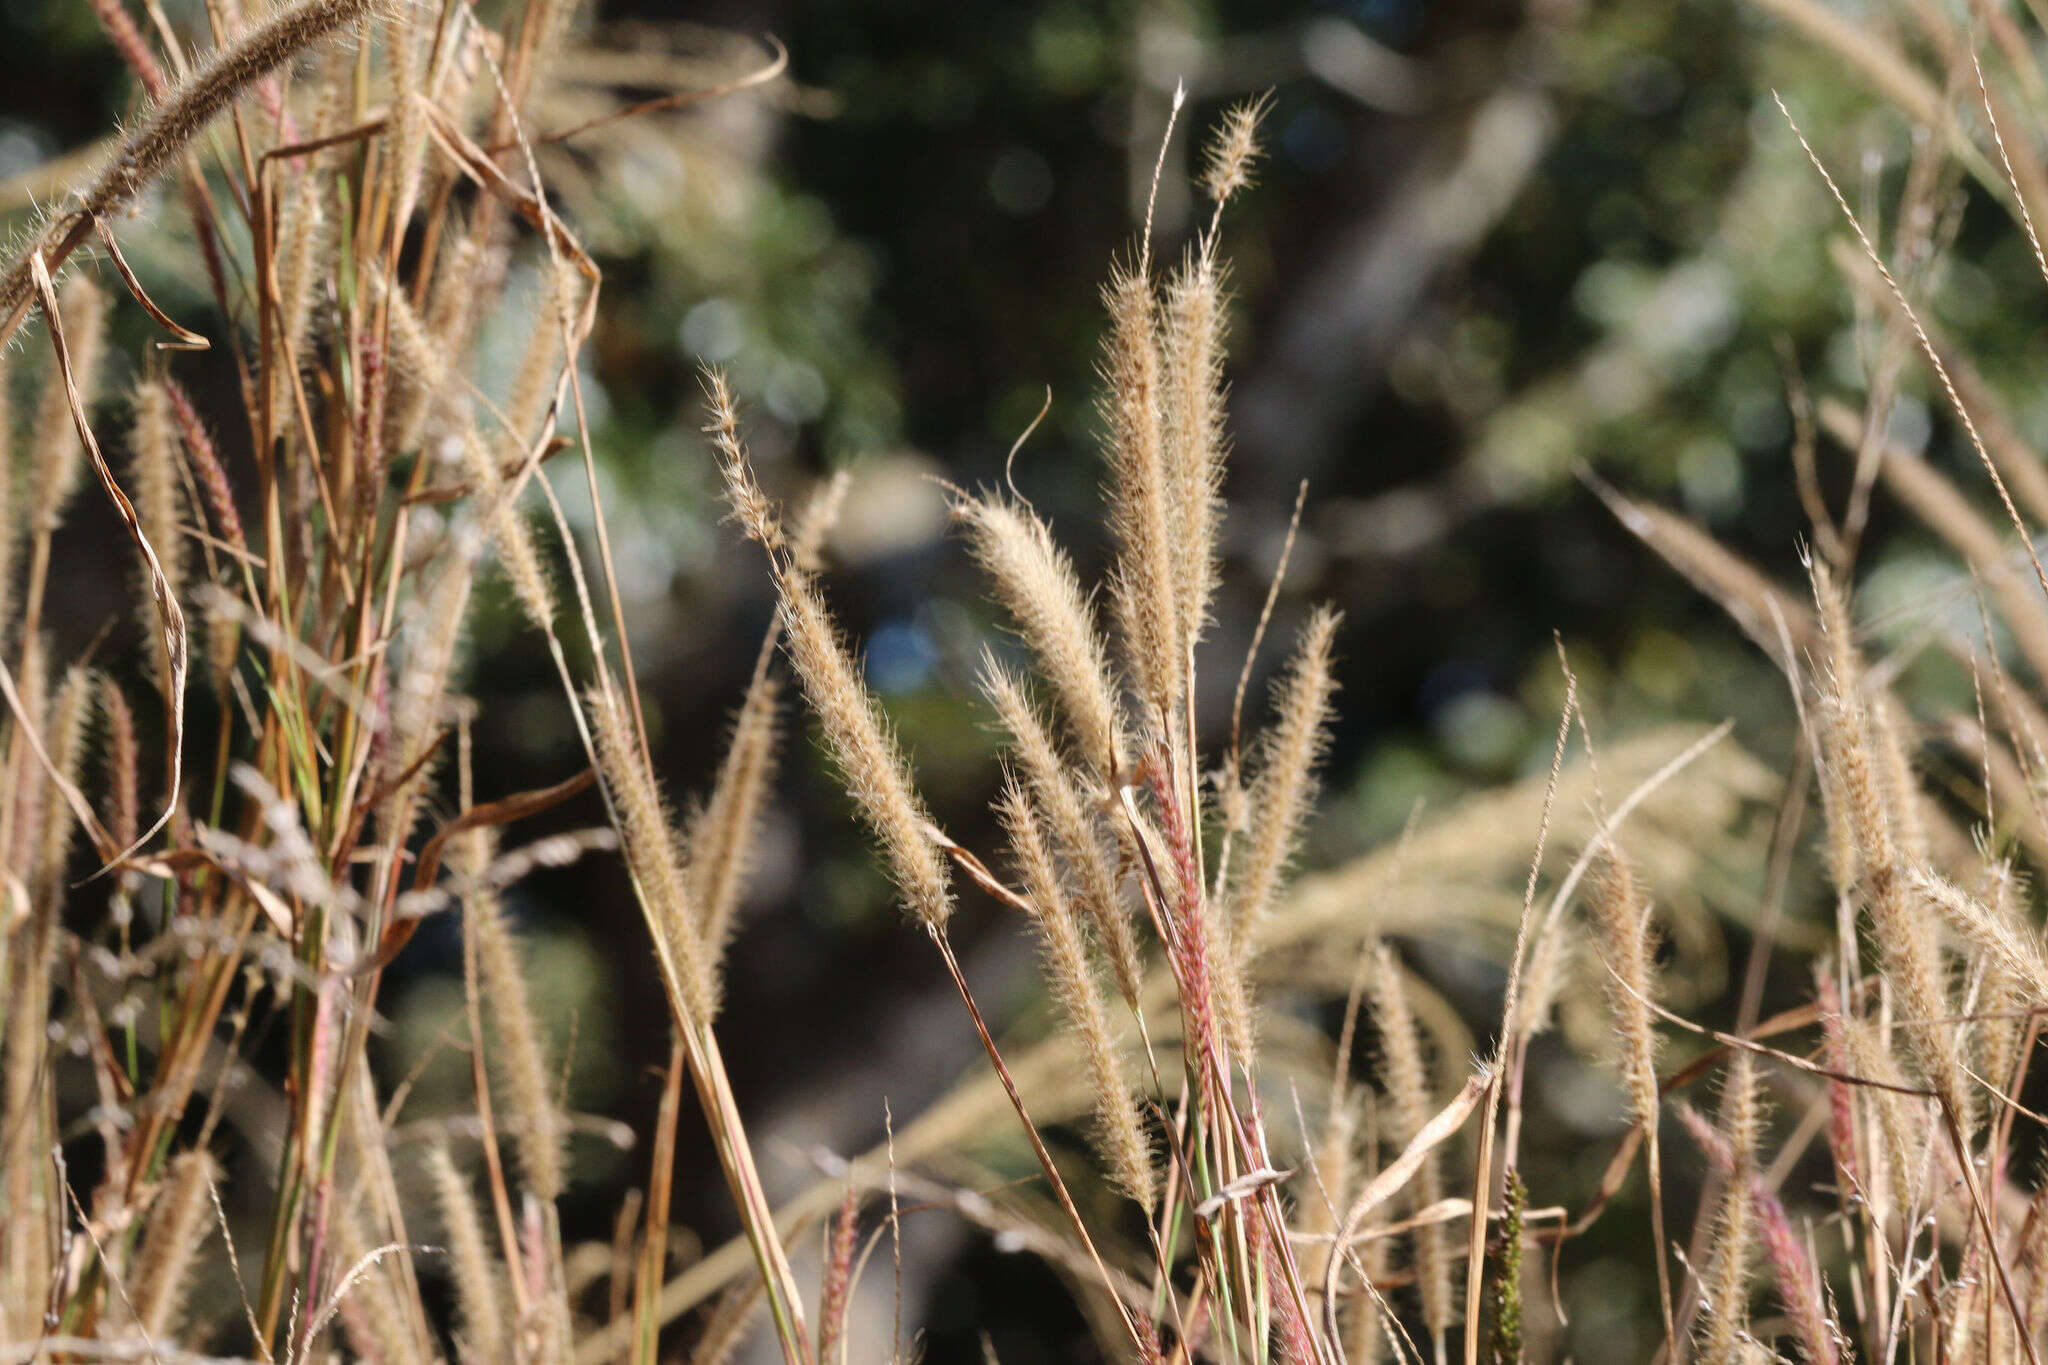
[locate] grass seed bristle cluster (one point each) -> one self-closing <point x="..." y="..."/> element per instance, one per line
<point x="191" y="1092"/>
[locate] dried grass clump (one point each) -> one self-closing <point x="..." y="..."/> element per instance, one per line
<point x="1246" y="1199"/>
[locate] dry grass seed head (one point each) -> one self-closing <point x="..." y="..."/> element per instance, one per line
<point x="652" y="857"/>
<point x="174" y="1232"/>
<point x="750" y="506"/>
<point x="207" y="470"/>
<point x="479" y="1297"/>
<point x="1140" y="498"/>
<point x="1035" y="582"/>
<point x="1724" y="1293"/>
<point x="1058" y="795"/>
<point x="1622" y="924"/>
<point x="434" y="641"/>
<point x="1233" y="151"/>
<point x="1911" y="957"/>
<point x="159" y="506"/>
<point x="720" y="846"/>
<point x="865" y="749"/>
<point x="304" y="244"/>
<point x="10" y="496"/>
<point x="1283" y="790"/>
<point x="1120" y="1140"/>
<point x="540" y="365"/>
<point x="538" y="1133"/>
<point x="518" y="557"/>
<point x="856" y="733"/>
<point x="1404" y="1078"/>
<point x="1194" y="316"/>
<point x="123" y="783"/>
<point x="214" y="83"/>
<point x="65" y="741"/>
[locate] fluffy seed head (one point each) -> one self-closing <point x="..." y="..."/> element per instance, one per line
<point x="1119" y="1139"/>
<point x="721" y="839"/>
<point x="1621" y="920"/>
<point x="207" y="472"/>
<point x="652" y="858"/>
<point x="159" y="503"/>
<point x="1140" y="498"/>
<point x="64" y="738"/>
<point x="1724" y="1296"/>
<point x="864" y="748"/>
<point x="10" y="501"/>
<point x="478" y="1301"/>
<point x="516" y="1039"/>
<point x="1233" y="152"/>
<point x="173" y="1234"/>
<point x="1056" y="794"/>
<point x="1036" y="584"/>
<point x="1405" y="1079"/>
<point x="1285" y="786"/>
<point x="213" y="84"/>
<point x="750" y="506"/>
<point x="1192" y="344"/>
<point x="520" y="559"/>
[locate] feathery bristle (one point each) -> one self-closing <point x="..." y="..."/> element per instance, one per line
<point x="420" y="375"/>
<point x="173" y="1235"/>
<point x="816" y="519"/>
<point x="124" y="797"/>
<point x="2012" y="946"/>
<point x="159" y="506"/>
<point x="1233" y="152"/>
<point x="302" y="243"/>
<point x="537" y="1135"/>
<point x="433" y="645"/>
<point x="1192" y="346"/>
<point x="370" y="1312"/>
<point x="1284" y="788"/>
<point x="1035" y="582"/>
<point x="64" y="739"/>
<point x="1724" y="1293"/>
<point x="1904" y="1141"/>
<point x="1404" y="1077"/>
<point x="480" y="1335"/>
<point x="406" y="138"/>
<point x="1910" y="954"/>
<point x="206" y="467"/>
<point x="213" y="84"/>
<point x="1074" y="833"/>
<point x="1140" y="498"/>
<point x="856" y="733"/>
<point x="652" y="858"/>
<point x="55" y="453"/>
<point x="1621" y="917"/>
<point x="720" y="847"/>
<point x="540" y="365"/>
<point x="750" y="506"/>
<point x="835" y="1295"/>
<point x="865" y="750"/>
<point x="1119" y="1139"/>
<point x="510" y="537"/>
